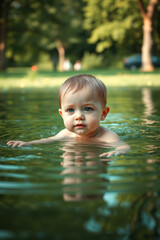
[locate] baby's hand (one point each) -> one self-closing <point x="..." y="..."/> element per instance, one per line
<point x="17" y="143"/>
<point x="109" y="154"/>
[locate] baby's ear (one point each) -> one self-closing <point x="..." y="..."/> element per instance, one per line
<point x="104" y="113"/>
<point x="60" y="112"/>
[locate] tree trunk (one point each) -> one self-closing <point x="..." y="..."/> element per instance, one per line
<point x="147" y="16"/>
<point x="61" y="53"/>
<point x="147" y="64"/>
<point x="3" y="30"/>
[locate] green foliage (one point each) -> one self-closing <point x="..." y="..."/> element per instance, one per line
<point x="35" y="26"/>
<point x="110" y="22"/>
<point x="118" y="23"/>
<point x="91" y="61"/>
<point x="156" y="32"/>
<point x="82" y="26"/>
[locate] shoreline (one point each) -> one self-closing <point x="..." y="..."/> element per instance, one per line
<point x="35" y="80"/>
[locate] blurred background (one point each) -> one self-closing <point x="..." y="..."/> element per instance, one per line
<point x="85" y="34"/>
<point x="43" y="42"/>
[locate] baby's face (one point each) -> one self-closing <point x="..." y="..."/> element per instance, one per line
<point x="82" y="112"/>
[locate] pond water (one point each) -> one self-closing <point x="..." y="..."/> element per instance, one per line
<point x="64" y="190"/>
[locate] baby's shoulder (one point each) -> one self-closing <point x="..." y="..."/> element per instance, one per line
<point x="64" y="134"/>
<point x="109" y="135"/>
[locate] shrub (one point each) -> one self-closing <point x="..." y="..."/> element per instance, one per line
<point x="91" y="60"/>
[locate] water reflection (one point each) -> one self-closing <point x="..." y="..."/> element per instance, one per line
<point x="147" y="120"/>
<point x="83" y="171"/>
<point x="145" y="215"/>
<point x="148" y="105"/>
<point x="37" y="186"/>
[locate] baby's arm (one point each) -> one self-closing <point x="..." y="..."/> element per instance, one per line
<point x="121" y="149"/>
<point x="59" y="136"/>
<point x="120" y="146"/>
<point x="34" y="142"/>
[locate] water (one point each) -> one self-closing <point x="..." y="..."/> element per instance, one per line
<point x="64" y="190"/>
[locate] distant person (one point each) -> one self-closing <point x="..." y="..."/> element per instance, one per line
<point x="54" y="61"/>
<point x="82" y="106"/>
<point x="77" y="66"/>
<point x="67" y="65"/>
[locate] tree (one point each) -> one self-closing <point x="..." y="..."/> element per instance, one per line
<point x="147" y="15"/>
<point x="68" y="26"/>
<point x="116" y="24"/>
<point x="42" y="26"/>
<point x="109" y="22"/>
<point x="4" y="6"/>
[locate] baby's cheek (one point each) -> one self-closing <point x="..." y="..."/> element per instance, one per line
<point x="94" y="118"/>
<point x="68" y="123"/>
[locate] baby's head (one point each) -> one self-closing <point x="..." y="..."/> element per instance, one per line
<point x="78" y="82"/>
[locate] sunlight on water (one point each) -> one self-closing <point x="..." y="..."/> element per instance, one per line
<point x="64" y="190"/>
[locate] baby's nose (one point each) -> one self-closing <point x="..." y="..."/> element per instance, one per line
<point x="79" y="115"/>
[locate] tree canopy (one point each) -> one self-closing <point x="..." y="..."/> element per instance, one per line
<point x="29" y="28"/>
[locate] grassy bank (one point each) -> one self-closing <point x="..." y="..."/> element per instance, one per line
<point x="25" y="78"/>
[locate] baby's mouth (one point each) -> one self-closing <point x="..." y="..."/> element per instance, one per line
<point x="80" y="125"/>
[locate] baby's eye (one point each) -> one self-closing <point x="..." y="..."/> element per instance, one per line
<point x="88" y="109"/>
<point x="70" y="110"/>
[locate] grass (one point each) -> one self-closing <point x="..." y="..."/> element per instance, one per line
<point x="25" y="78"/>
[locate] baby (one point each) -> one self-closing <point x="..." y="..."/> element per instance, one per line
<point x="82" y="101"/>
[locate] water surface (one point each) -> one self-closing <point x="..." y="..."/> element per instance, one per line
<point x="64" y="190"/>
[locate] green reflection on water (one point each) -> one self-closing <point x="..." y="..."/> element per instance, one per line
<point x="48" y="192"/>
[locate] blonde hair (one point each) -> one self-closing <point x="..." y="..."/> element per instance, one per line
<point x="80" y="81"/>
